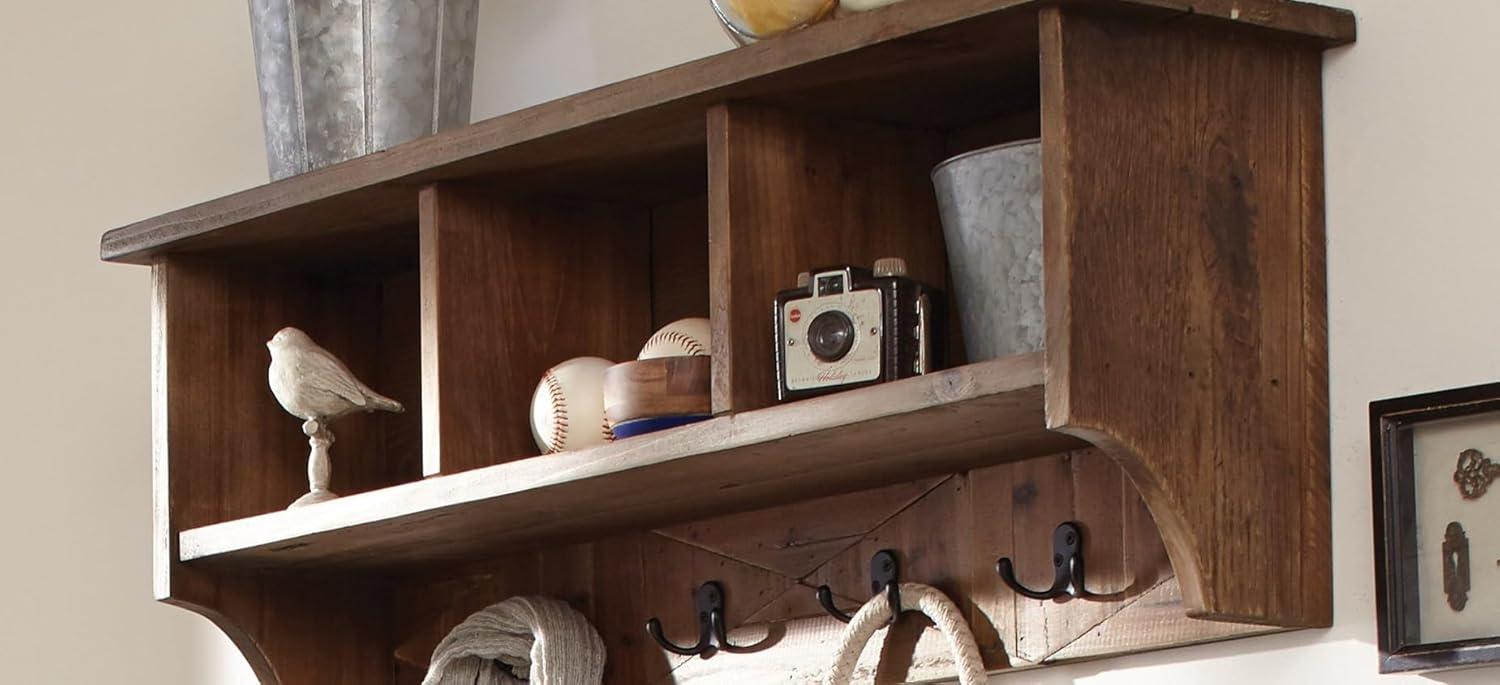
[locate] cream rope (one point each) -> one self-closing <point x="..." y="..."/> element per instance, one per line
<point x="541" y="640"/>
<point x="876" y="613"/>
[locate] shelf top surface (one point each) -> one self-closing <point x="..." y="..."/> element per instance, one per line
<point x="914" y="53"/>
<point x="944" y="422"/>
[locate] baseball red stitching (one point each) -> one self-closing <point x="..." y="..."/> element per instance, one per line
<point x="559" y="411"/>
<point x="691" y="345"/>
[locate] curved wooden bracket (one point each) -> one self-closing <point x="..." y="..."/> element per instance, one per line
<point x="1187" y="331"/>
<point x="294" y="629"/>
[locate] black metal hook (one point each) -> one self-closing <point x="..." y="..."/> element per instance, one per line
<point x="709" y="600"/>
<point x="885" y="575"/>
<point x="1067" y="560"/>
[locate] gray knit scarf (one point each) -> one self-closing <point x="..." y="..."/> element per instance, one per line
<point x="536" y="640"/>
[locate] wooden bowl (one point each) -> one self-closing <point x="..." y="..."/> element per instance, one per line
<point x="654" y="388"/>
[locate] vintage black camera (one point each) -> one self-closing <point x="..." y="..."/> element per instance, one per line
<point x="843" y="327"/>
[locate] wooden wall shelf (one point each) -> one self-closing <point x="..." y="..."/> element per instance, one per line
<point x="956" y="420"/>
<point x="940" y="63"/>
<point x="1184" y="370"/>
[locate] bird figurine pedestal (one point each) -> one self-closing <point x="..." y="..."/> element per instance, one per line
<point x="319" y="465"/>
<point x="313" y="385"/>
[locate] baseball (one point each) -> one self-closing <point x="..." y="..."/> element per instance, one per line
<point x="682" y="338"/>
<point x="567" y="409"/>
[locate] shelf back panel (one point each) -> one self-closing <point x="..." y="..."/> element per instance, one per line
<point x="511" y="286"/>
<point x="947" y="531"/>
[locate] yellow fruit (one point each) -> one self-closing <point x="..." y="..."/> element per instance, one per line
<point x="762" y="18"/>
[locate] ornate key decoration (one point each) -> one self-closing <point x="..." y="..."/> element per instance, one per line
<point x="1456" y="566"/>
<point x="1474" y="474"/>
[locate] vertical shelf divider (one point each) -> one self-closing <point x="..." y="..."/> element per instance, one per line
<point x="1187" y="315"/>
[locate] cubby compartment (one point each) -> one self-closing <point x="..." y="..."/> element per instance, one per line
<point x="792" y="190"/>
<point x="514" y="283"/>
<point x="234" y="451"/>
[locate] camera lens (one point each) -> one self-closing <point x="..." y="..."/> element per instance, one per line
<point x="830" y="336"/>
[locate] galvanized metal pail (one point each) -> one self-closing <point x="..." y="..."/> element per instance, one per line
<point x="991" y="205"/>
<point x="344" y="78"/>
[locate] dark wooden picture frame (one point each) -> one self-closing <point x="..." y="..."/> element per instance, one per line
<point x="1397" y="567"/>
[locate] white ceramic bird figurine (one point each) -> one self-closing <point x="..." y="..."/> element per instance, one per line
<point x="313" y="385"/>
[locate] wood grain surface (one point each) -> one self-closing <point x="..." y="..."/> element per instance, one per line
<point x="978" y="414"/>
<point x="792" y="193"/>
<point x="224" y="448"/>
<point x="1186" y="340"/>
<point x="665" y="386"/>
<point x="237" y="452"/>
<point x="1189" y="270"/>
<point x="679" y="260"/>
<point x="945" y="532"/>
<point x="936" y="62"/>
<point x="512" y="287"/>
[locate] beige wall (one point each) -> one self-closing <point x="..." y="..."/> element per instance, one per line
<point x="114" y="111"/>
<point x="108" y="112"/>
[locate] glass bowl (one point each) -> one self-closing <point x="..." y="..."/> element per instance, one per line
<point x="748" y="21"/>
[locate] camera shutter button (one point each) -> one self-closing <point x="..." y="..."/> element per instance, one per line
<point x="886" y="267"/>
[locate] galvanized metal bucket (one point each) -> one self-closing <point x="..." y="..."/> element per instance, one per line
<point x="344" y="78"/>
<point x="991" y="205"/>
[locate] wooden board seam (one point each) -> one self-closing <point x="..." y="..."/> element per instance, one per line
<point x="1123" y="606"/>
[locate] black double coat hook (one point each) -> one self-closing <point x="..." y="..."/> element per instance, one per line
<point x="1067" y="562"/>
<point x="712" y="635"/>
<point x="885" y="576"/>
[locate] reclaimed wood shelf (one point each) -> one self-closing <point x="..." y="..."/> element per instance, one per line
<point x="947" y="63"/>
<point x="950" y="421"/>
<point x="1178" y="411"/>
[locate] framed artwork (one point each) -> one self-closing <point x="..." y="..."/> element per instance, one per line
<point x="1436" y="458"/>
